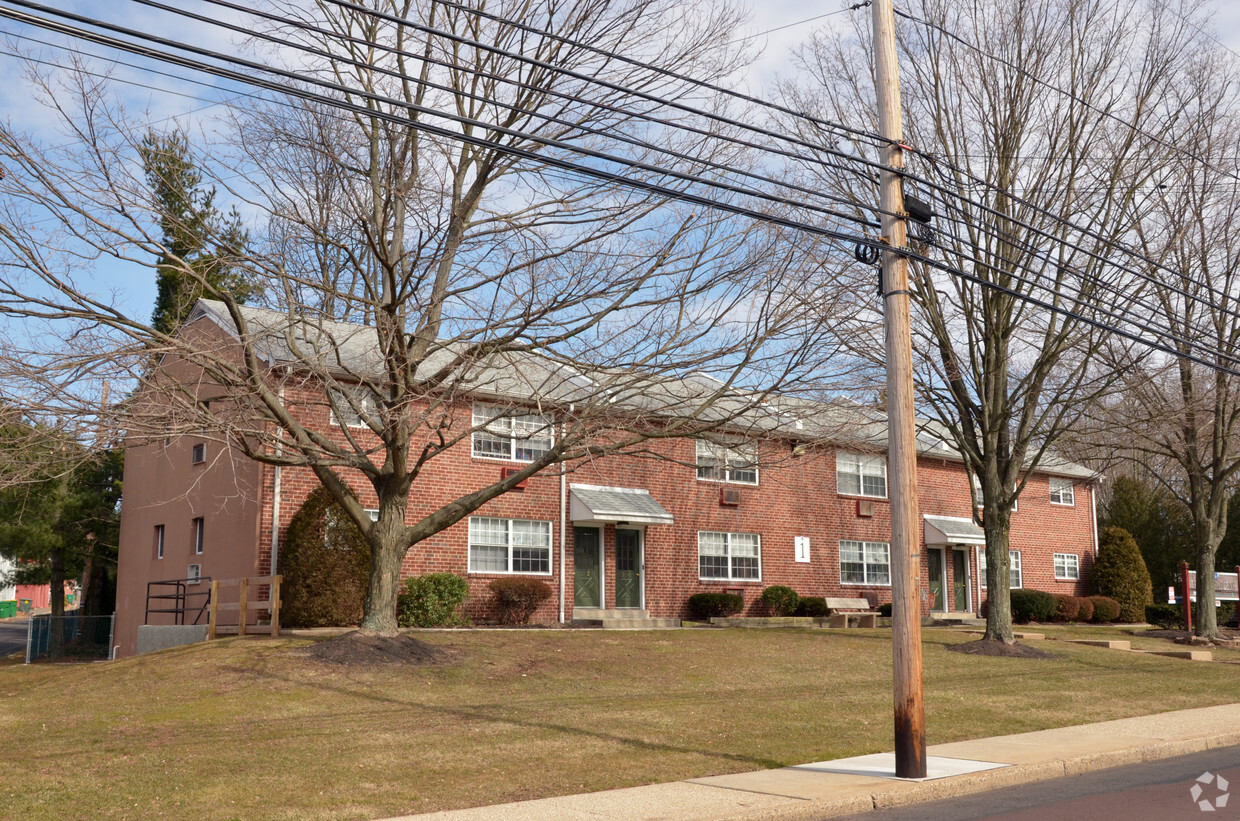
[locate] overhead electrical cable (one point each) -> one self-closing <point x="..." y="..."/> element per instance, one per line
<point x="543" y="159"/>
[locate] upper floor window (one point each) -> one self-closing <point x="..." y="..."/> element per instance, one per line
<point x="159" y="541"/>
<point x="347" y="408"/>
<point x="505" y="434"/>
<point x="199" y="454"/>
<point x="977" y="494"/>
<point x="861" y="475"/>
<point x="1062" y="492"/>
<point x="727" y="463"/>
<point x="199" y="535"/>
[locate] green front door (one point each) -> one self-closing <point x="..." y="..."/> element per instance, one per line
<point x="934" y="564"/>
<point x="586" y="586"/>
<point x="628" y="569"/>
<point x="960" y="582"/>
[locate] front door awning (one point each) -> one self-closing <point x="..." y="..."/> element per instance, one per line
<point x="614" y="505"/>
<point x="947" y="530"/>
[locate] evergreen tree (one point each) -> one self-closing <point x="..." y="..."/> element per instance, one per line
<point x="202" y="246"/>
<point x="1160" y="524"/>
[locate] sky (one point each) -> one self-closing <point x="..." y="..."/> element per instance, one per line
<point x="776" y="25"/>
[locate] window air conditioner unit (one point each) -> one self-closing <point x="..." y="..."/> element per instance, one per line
<point x="865" y="508"/>
<point x="193" y="573"/>
<point x="504" y="473"/>
<point x="729" y="497"/>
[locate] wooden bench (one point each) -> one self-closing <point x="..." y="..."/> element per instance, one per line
<point x="851" y="613"/>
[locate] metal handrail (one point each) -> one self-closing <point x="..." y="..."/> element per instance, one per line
<point x="181" y="595"/>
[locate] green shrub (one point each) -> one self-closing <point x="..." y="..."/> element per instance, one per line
<point x="432" y="600"/>
<point x="884" y="610"/>
<point x="1032" y="605"/>
<point x="1106" y="609"/>
<point x="780" y="600"/>
<point x="1166" y="616"/>
<point x="1120" y="573"/>
<point x="1226" y="613"/>
<point x="1068" y="608"/>
<point x="518" y="597"/>
<point x="1086" y="612"/>
<point x="708" y="605"/>
<point x="814" y="606"/>
<point x="325" y="562"/>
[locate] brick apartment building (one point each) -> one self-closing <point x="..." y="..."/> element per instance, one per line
<point x="618" y="532"/>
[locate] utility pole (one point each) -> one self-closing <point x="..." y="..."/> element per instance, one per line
<point x="910" y="708"/>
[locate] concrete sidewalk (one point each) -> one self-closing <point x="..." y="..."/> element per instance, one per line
<point x="849" y="786"/>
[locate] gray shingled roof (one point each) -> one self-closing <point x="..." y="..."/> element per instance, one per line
<point x="351" y="352"/>
<point x="616" y="504"/>
<point x="952" y="530"/>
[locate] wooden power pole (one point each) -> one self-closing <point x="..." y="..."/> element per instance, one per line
<point x="910" y="710"/>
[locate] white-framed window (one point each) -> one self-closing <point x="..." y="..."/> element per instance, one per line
<point x="159" y="541"/>
<point x="193" y="573"/>
<point x="1067" y="566"/>
<point x="515" y="437"/>
<point x="1013" y="568"/>
<point x="343" y="412"/>
<point x="861" y="475"/>
<point x="199" y="535"/>
<point x="509" y="546"/>
<point x="977" y="494"/>
<point x="1062" y="492"/>
<point x="198" y="454"/>
<point x="728" y="556"/>
<point x="801" y="548"/>
<point x="865" y="563"/>
<point x="721" y="462"/>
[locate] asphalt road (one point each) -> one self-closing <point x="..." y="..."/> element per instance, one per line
<point x="12" y="636"/>
<point x="1151" y="791"/>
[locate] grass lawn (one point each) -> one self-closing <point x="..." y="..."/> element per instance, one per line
<point x="249" y="728"/>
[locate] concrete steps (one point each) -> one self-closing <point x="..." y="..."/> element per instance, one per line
<point x="626" y="619"/>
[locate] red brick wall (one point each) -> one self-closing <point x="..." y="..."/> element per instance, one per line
<point x="796" y="496"/>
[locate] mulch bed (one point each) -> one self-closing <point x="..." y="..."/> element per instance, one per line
<point x="985" y="647"/>
<point x="368" y="650"/>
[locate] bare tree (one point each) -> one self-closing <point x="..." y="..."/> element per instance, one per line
<point x="420" y="201"/>
<point x="1036" y="128"/>
<point x="1183" y="411"/>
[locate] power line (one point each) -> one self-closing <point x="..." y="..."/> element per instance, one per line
<point x="562" y="164"/>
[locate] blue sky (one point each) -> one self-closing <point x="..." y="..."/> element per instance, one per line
<point x="171" y="98"/>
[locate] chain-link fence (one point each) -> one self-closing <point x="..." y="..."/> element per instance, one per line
<point x="84" y="638"/>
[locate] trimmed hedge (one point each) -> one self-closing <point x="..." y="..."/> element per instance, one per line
<point x="1106" y="609"/>
<point x="1166" y="616"/>
<point x="884" y="610"/>
<point x="1032" y="605"/>
<point x="1086" y="613"/>
<point x="1068" y="608"/>
<point x="1120" y="573"/>
<point x="325" y="562"/>
<point x="813" y="606"/>
<point x="708" y="605"/>
<point x="517" y="598"/>
<point x="432" y="600"/>
<point x="781" y="600"/>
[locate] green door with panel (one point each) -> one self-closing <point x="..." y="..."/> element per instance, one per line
<point x="934" y="564"/>
<point x="960" y="582"/>
<point x="628" y="568"/>
<point x="586" y="554"/>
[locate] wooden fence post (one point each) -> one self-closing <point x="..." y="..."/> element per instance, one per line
<point x="241" y="611"/>
<point x="274" y="597"/>
<point x="213" y="621"/>
<point x="1188" y="604"/>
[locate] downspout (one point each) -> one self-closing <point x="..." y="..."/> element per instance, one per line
<point x="1093" y="513"/>
<point x="563" y="523"/>
<point x="275" y="501"/>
